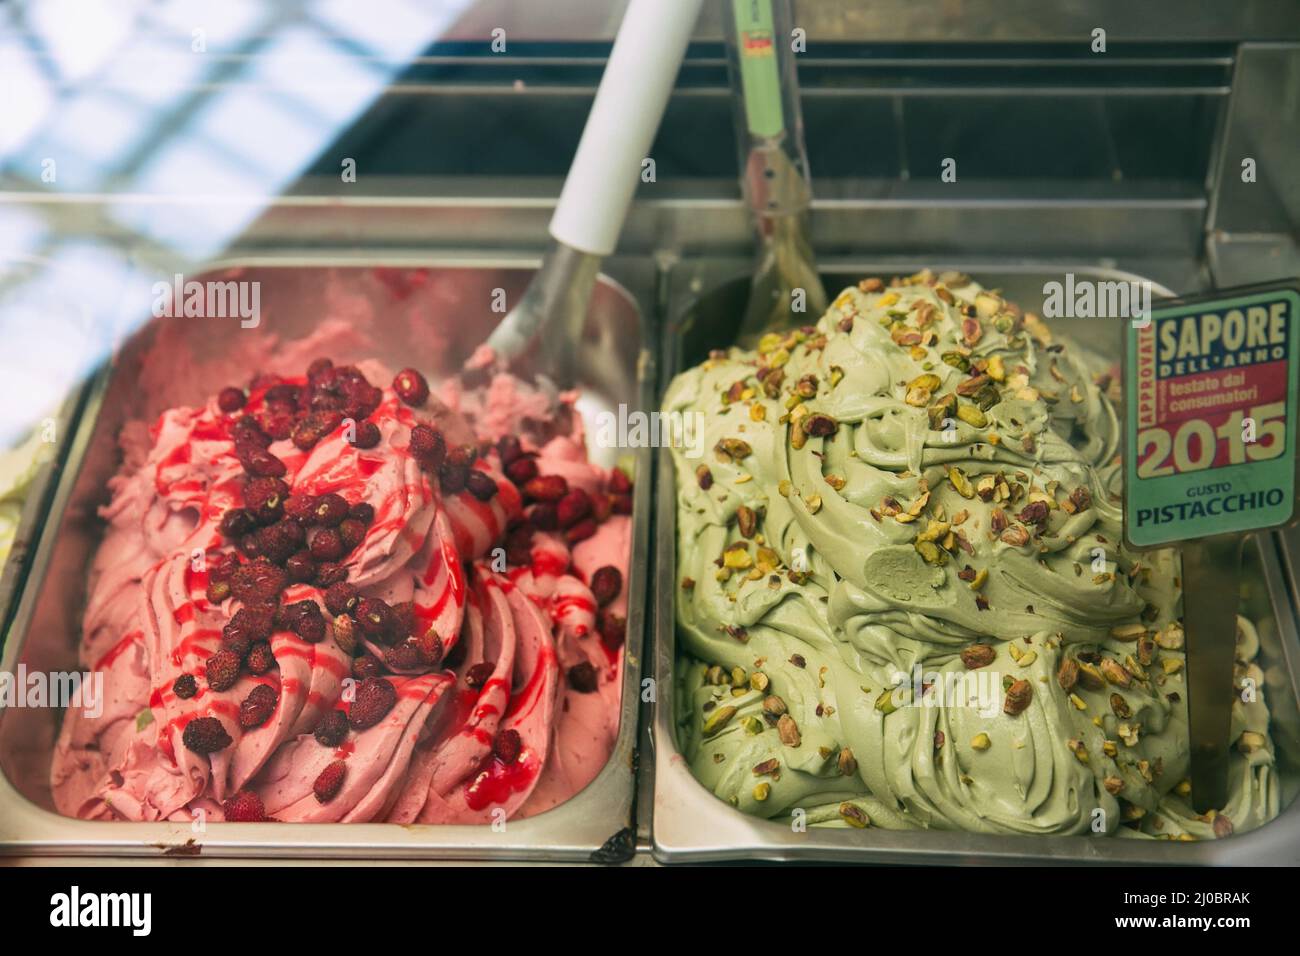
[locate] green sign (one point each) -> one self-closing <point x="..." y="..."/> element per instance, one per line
<point x="1210" y="398"/>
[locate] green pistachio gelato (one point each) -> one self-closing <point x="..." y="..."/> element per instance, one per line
<point x="902" y="598"/>
<point x="18" y="466"/>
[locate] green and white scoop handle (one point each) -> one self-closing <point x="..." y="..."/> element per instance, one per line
<point x="769" y="122"/>
<point x="605" y="172"/>
<point x="786" y="288"/>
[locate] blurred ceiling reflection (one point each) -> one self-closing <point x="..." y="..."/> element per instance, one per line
<point x="177" y="121"/>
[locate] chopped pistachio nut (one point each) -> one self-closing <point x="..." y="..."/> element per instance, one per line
<point x="737" y="558"/>
<point x="1171" y="637"/>
<point x="917" y="397"/>
<point x="1067" y="674"/>
<point x="942" y="410"/>
<point x="1017" y="698"/>
<point x="931" y="552"/>
<point x="972" y="416"/>
<point x="732" y="449"/>
<point x="885" y="701"/>
<point x="1115" y="673"/>
<point x="934" y="530"/>
<point x="1133" y="667"/>
<point x="718" y="719"/>
<point x="1128" y="632"/>
<point x="987" y="305"/>
<point x="1015" y="536"/>
<point x="854" y="816"/>
<point x="1250" y="742"/>
<point x="847" y="763"/>
<point x="1146" y="650"/>
<point x="819" y="425"/>
<point x="961" y="483"/>
<point x="1089" y="677"/>
<point x="788" y="730"/>
<point x="928" y="381"/>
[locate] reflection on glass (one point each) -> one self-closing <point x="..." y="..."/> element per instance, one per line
<point x="140" y="139"/>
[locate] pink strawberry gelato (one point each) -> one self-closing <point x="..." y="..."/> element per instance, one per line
<point x="503" y="668"/>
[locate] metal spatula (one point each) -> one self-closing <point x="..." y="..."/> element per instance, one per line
<point x="786" y="290"/>
<point x="547" y="323"/>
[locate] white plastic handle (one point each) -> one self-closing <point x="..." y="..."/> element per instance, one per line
<point x="629" y="104"/>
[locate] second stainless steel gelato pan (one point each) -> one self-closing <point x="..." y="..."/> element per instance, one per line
<point x="690" y="823"/>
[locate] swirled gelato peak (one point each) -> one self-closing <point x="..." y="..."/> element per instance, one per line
<point x="902" y="598"/>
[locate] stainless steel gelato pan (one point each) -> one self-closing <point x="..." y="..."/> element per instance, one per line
<point x="148" y="376"/>
<point x="691" y="824"/>
<point x="35" y="501"/>
<point x="52" y="333"/>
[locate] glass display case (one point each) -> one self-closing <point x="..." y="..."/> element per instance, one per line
<point x="204" y="196"/>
